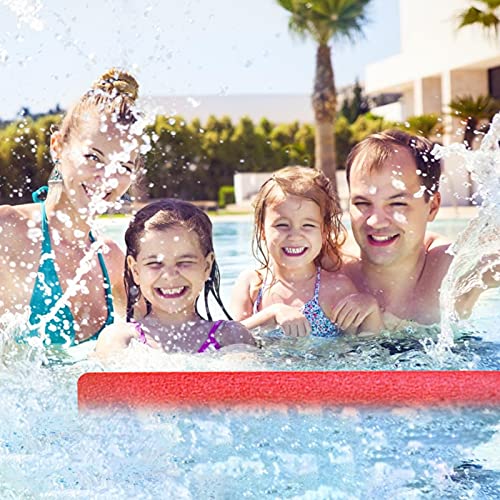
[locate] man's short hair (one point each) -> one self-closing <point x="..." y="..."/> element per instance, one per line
<point x="377" y="148"/>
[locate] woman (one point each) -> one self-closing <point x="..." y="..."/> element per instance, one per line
<point x="49" y="258"/>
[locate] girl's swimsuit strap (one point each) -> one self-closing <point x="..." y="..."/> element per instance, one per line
<point x="211" y="340"/>
<point x="140" y="331"/>
<point x="317" y="284"/>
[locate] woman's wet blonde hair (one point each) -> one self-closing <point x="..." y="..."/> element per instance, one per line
<point x="113" y="94"/>
<point x="311" y="184"/>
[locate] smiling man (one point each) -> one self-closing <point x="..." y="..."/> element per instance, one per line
<point x="394" y="180"/>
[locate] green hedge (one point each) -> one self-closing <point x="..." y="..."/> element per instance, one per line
<point x="226" y="196"/>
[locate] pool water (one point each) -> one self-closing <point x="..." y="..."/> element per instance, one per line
<point x="49" y="450"/>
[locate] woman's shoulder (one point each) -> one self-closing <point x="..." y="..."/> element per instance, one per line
<point x="14" y="216"/>
<point x="20" y="226"/>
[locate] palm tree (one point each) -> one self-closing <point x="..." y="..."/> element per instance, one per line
<point x="427" y="125"/>
<point x="488" y="16"/>
<point x="474" y="111"/>
<point x="324" y="20"/>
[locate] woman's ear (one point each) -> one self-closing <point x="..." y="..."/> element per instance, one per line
<point x="55" y="145"/>
<point x="132" y="265"/>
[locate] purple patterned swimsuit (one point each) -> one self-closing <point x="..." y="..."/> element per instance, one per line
<point x="210" y="341"/>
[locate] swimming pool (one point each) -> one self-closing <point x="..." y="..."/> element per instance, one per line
<point x="49" y="450"/>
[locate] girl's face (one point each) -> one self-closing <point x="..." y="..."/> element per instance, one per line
<point x="98" y="160"/>
<point x="171" y="271"/>
<point x="293" y="232"/>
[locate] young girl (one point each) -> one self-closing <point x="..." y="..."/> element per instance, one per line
<point x="169" y="262"/>
<point x="297" y="241"/>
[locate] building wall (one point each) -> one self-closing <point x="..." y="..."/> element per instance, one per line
<point x="438" y="62"/>
<point x="431" y="44"/>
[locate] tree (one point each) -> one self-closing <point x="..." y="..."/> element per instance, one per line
<point x="474" y="111"/>
<point x="427" y="125"/>
<point x="324" y="20"/>
<point x="488" y="16"/>
<point x="355" y="106"/>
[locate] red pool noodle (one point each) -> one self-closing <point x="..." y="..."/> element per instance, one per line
<point x="315" y="388"/>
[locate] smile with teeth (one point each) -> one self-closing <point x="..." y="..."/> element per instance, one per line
<point x="382" y="240"/>
<point x="92" y="192"/>
<point x="294" y="251"/>
<point x="171" y="293"/>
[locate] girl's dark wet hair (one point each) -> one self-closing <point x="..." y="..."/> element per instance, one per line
<point x="162" y="215"/>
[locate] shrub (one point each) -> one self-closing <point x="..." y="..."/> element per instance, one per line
<point x="226" y="196"/>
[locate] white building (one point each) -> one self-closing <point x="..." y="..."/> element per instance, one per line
<point x="438" y="62"/>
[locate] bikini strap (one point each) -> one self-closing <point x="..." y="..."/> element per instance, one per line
<point x="107" y="284"/>
<point x="260" y="294"/>
<point x="257" y="302"/>
<point x="211" y="340"/>
<point x="40" y="194"/>
<point x="140" y="331"/>
<point x="46" y="245"/>
<point x="317" y="284"/>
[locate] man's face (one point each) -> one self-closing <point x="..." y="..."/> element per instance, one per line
<point x="389" y="212"/>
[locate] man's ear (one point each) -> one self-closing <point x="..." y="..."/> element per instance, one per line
<point x="435" y="203"/>
<point x="132" y="265"/>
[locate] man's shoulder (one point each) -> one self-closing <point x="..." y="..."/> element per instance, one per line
<point x="439" y="256"/>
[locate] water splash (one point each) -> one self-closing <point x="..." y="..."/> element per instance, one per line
<point x="27" y="12"/>
<point x="476" y="250"/>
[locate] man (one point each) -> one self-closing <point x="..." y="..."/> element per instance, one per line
<point x="394" y="181"/>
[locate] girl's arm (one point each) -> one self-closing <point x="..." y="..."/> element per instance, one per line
<point x="241" y="301"/>
<point x="357" y="313"/>
<point x="353" y="312"/>
<point x="114" y="339"/>
<point x="233" y="332"/>
<point x="289" y="318"/>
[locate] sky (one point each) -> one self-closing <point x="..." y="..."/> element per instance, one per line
<point x="52" y="50"/>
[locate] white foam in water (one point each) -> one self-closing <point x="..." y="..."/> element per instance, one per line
<point x="477" y="247"/>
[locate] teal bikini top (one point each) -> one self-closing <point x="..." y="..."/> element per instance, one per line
<point x="59" y="328"/>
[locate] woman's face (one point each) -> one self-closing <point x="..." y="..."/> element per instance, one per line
<point x="97" y="162"/>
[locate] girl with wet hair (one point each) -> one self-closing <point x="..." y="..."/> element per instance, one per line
<point x="299" y="285"/>
<point x="170" y="262"/>
<point x="51" y="262"/>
